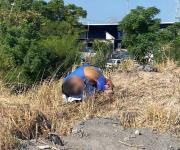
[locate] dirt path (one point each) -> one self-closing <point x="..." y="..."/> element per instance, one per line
<point x="107" y="134"/>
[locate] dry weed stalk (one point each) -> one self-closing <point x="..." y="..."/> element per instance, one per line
<point x="141" y="99"/>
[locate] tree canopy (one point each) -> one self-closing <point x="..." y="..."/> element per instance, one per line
<point x="36" y="38"/>
<point x="142" y="34"/>
<point x="140" y="27"/>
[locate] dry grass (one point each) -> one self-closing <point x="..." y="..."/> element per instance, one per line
<point x="141" y="99"/>
<point x="166" y="66"/>
<point x="127" y="65"/>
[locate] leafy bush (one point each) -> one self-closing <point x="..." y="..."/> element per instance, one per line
<point x="168" y="44"/>
<point x="40" y="43"/>
<point x="66" y="51"/>
<point x="171" y="45"/>
<point x="46" y="59"/>
<point x="102" y="50"/>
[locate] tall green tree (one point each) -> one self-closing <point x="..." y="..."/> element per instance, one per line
<point x="169" y="43"/>
<point x="140" y="27"/>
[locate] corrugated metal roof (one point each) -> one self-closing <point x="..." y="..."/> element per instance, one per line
<point x="106" y="24"/>
<point x="100" y="24"/>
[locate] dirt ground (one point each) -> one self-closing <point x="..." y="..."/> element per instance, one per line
<point x="107" y="134"/>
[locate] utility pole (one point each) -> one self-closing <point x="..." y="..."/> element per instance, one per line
<point x="12" y="6"/>
<point x="88" y="32"/>
<point x="128" y="6"/>
<point x="178" y="11"/>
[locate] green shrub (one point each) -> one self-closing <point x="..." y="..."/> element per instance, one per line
<point x="38" y="40"/>
<point x="102" y="49"/>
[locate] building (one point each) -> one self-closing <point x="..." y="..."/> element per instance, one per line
<point x="106" y="32"/>
<point x="166" y="24"/>
<point x="103" y="32"/>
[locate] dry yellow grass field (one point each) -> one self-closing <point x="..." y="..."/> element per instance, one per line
<point x="141" y="99"/>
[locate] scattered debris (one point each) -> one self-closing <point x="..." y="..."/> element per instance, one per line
<point x="147" y="68"/>
<point x="171" y="148"/>
<point x="131" y="145"/>
<point x="48" y="147"/>
<point x="55" y="139"/>
<point x="133" y="136"/>
<point x="44" y="147"/>
<point x="137" y="132"/>
<point x="154" y="131"/>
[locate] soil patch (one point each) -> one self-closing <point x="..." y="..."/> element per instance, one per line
<point x="108" y="134"/>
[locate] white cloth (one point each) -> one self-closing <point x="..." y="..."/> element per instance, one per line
<point x="71" y="99"/>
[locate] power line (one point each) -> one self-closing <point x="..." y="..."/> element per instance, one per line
<point x="178" y="11"/>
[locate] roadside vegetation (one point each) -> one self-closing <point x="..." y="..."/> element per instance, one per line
<point x="103" y="50"/>
<point x="142" y="35"/>
<point x="38" y="40"/>
<point x="38" y="45"/>
<point x="135" y="102"/>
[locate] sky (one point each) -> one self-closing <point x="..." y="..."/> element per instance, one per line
<point x="109" y="11"/>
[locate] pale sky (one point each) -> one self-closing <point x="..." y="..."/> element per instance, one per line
<point x="103" y="11"/>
